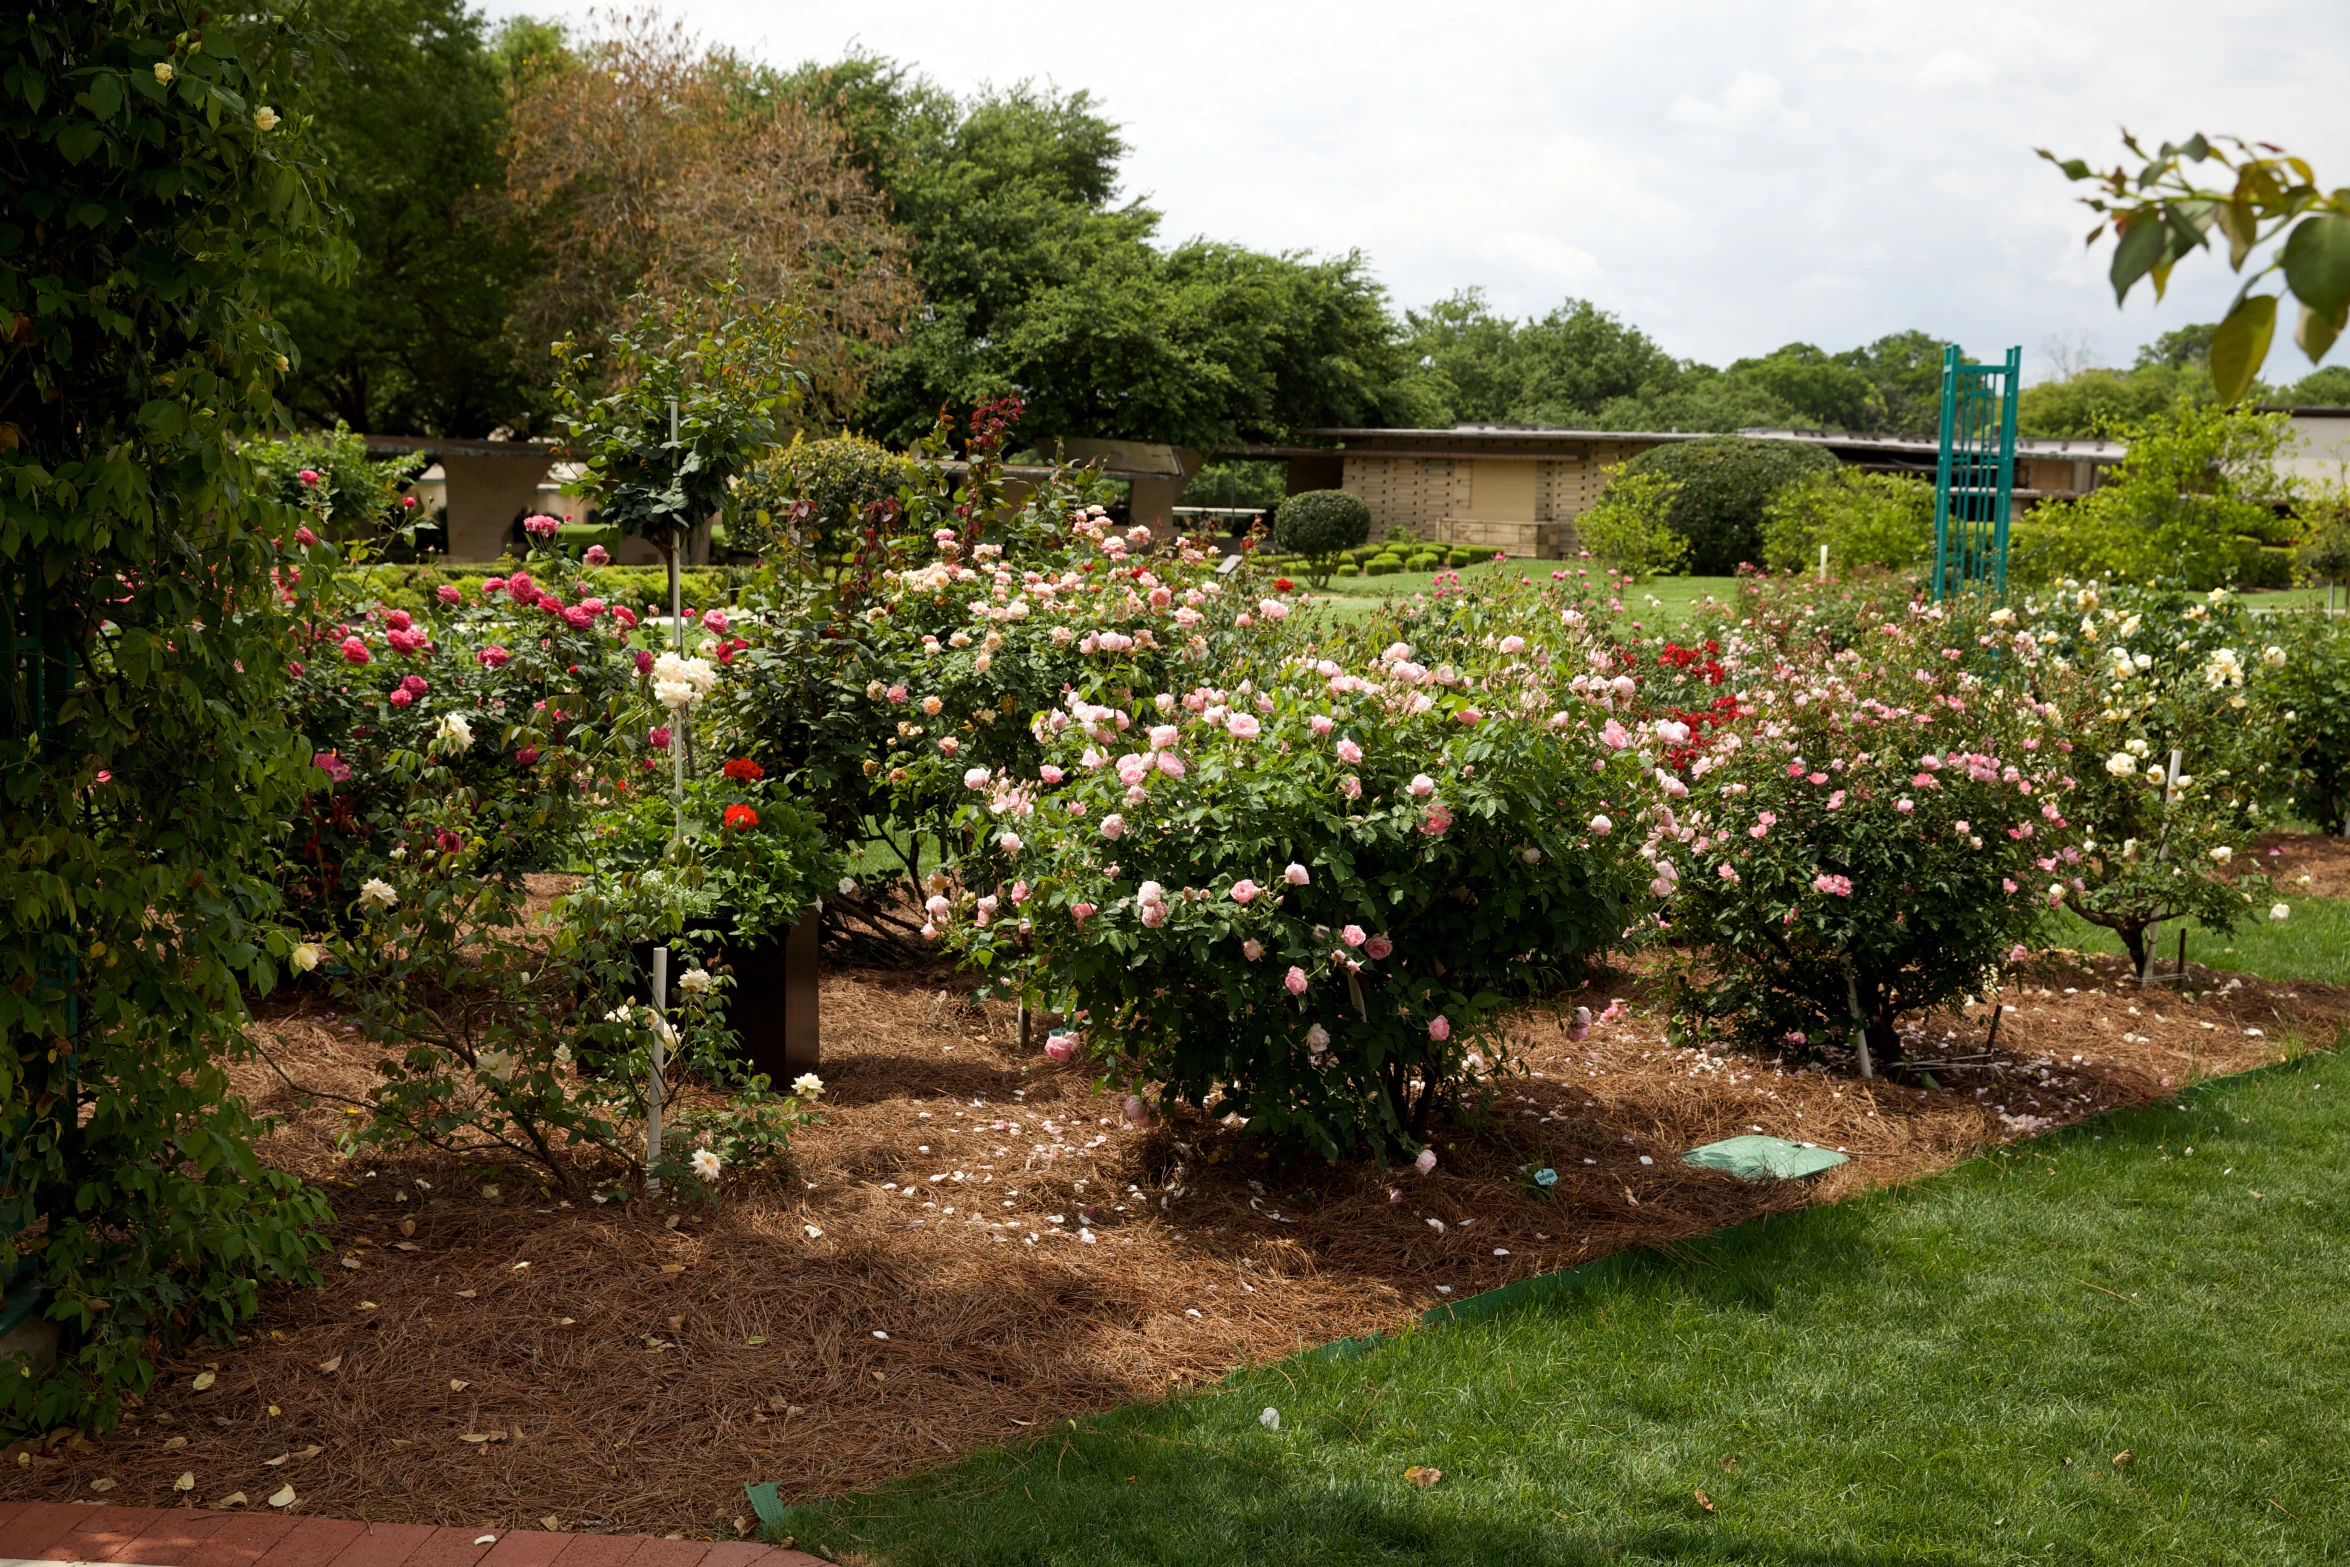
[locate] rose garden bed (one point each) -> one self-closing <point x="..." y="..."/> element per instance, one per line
<point x="972" y="1243"/>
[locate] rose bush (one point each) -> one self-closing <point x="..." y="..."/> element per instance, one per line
<point x="1302" y="885"/>
<point x="1874" y="828"/>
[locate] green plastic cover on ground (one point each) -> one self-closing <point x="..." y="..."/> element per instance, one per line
<point x="1757" y="1158"/>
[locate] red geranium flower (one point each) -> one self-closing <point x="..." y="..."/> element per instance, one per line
<point x="743" y="770"/>
<point x="1283" y="585"/>
<point x="739" y="816"/>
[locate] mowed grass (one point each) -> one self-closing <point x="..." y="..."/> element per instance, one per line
<point x="1943" y="1373"/>
<point x="1673" y="596"/>
<point x="2313" y="943"/>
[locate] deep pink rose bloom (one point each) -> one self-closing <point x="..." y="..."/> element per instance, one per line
<point x="356" y="651"/>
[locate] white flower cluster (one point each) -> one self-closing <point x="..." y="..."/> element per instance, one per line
<point x="454" y="734"/>
<point x="681" y="682"/>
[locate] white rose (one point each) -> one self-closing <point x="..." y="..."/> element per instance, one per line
<point x="706" y="1164"/>
<point x="377" y="893"/>
<point x="807" y="1085"/>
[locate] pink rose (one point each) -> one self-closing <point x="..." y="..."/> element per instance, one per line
<point x="1244" y="891"/>
<point x="1349" y="752"/>
<point x="1296" y="875"/>
<point x="1378" y="947"/>
<point x="1048" y="772"/>
<point x="579" y="617"/>
<point x="1835" y="886"/>
<point x="622" y="615"/>
<point x="950" y="745"/>
<point x="714" y="621"/>
<point x="1421" y="786"/>
<point x="658" y="737"/>
<point x="597" y="555"/>
<point x="521" y="586"/>
<point x="1081" y="912"/>
<point x="449" y="593"/>
<point x="490" y="585"/>
<point x="1243" y="726"/>
<point x="527" y="755"/>
<point x="1426" y="1163"/>
<point x="1440" y="1027"/>
<point x="1321" y="723"/>
<point x="492" y="657"/>
<point x="303" y="535"/>
<point x="398" y="620"/>
<point x="402" y="696"/>
<point x="414" y="685"/>
<point x="309" y="477"/>
<point x="1295" y="979"/>
<point x="1113" y="825"/>
<point x="356" y="651"/>
<point x="1252" y="949"/>
<point x="1601" y="826"/>
<point x="1353" y="936"/>
<point x="541" y="526"/>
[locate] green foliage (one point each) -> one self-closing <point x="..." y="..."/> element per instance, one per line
<point x="411" y="108"/>
<point x="145" y="766"/>
<point x="2197" y="500"/>
<point x="2327" y="387"/>
<point x="815" y="497"/>
<point x="1880" y="520"/>
<point x="1039" y="280"/>
<point x="1630" y="527"/>
<point x="1238" y="482"/>
<point x="724" y="365"/>
<point x="350" y="495"/>
<point x="2160" y="216"/>
<point x="1725" y="482"/>
<point x="1320" y="525"/>
<point x="1581" y="367"/>
<point x="742" y="853"/>
<point x="2312" y="692"/>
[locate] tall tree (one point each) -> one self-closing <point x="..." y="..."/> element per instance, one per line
<point x="1038" y="279"/>
<point x="645" y="161"/>
<point x="411" y="111"/>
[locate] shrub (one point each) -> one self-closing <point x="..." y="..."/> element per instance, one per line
<point x="1425" y="561"/>
<point x="1306" y="895"/>
<point x="2198" y="500"/>
<point x="1629" y="528"/>
<point x="1726" y="481"/>
<point x="145" y="762"/>
<point x="347" y="496"/>
<point x="2143" y="672"/>
<point x="1462" y="557"/>
<point x="1320" y="525"/>
<point x="1382" y="566"/>
<point x="2311" y="695"/>
<point x="1880" y="520"/>
<point x="819" y="497"/>
<point x="1873" y="831"/>
<point x="1350" y="569"/>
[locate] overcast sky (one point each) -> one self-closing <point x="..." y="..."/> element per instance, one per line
<point x="1729" y="177"/>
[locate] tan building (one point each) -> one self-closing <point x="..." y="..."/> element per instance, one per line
<point x="2320" y="448"/>
<point x="1519" y="489"/>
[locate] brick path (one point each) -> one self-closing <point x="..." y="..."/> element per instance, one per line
<point x="187" y="1537"/>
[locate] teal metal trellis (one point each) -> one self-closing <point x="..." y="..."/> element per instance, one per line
<point x="1976" y="475"/>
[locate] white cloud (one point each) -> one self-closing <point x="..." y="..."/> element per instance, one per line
<point x="1753" y="101"/>
<point x="1954" y="68"/>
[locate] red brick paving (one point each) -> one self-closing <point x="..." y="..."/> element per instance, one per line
<point x="185" y="1537"/>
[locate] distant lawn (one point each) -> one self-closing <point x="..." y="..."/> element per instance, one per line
<point x="2313" y="944"/>
<point x="1940" y="1374"/>
<point x="1352" y="596"/>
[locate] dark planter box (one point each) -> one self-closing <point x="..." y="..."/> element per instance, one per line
<point x="772" y="1003"/>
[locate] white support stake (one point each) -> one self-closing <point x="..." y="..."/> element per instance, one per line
<point x="1823" y="563"/>
<point x="2170" y="792"/>
<point x="660" y="1066"/>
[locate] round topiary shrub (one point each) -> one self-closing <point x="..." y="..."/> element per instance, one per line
<point x="1725" y="482"/>
<point x="818" y="495"/>
<point x="1462" y="557"/>
<point x="1382" y="566"/>
<point x="1350" y="569"/>
<point x="1425" y="561"/>
<point x="1320" y="526"/>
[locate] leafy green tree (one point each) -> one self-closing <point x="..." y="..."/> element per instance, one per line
<point x="2197" y="500"/>
<point x="1038" y="280"/>
<point x="412" y="338"/>
<point x="2272" y="207"/>
<point x="1630" y="528"/>
<point x="159" y="171"/>
<point x="1725" y="482"/>
<point x="1825" y="391"/>
<point x="2325" y="388"/>
<point x="1880" y="520"/>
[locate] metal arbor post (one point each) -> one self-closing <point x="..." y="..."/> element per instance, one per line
<point x="1975" y="478"/>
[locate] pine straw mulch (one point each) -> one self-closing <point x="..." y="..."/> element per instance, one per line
<point x="2306" y="865"/>
<point x="540" y="1358"/>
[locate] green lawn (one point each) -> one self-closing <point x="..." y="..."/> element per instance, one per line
<point x="1939" y="1374"/>
<point x="1351" y="596"/>
<point x="2313" y="944"/>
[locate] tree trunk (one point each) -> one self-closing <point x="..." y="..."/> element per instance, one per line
<point x="2134" y="943"/>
